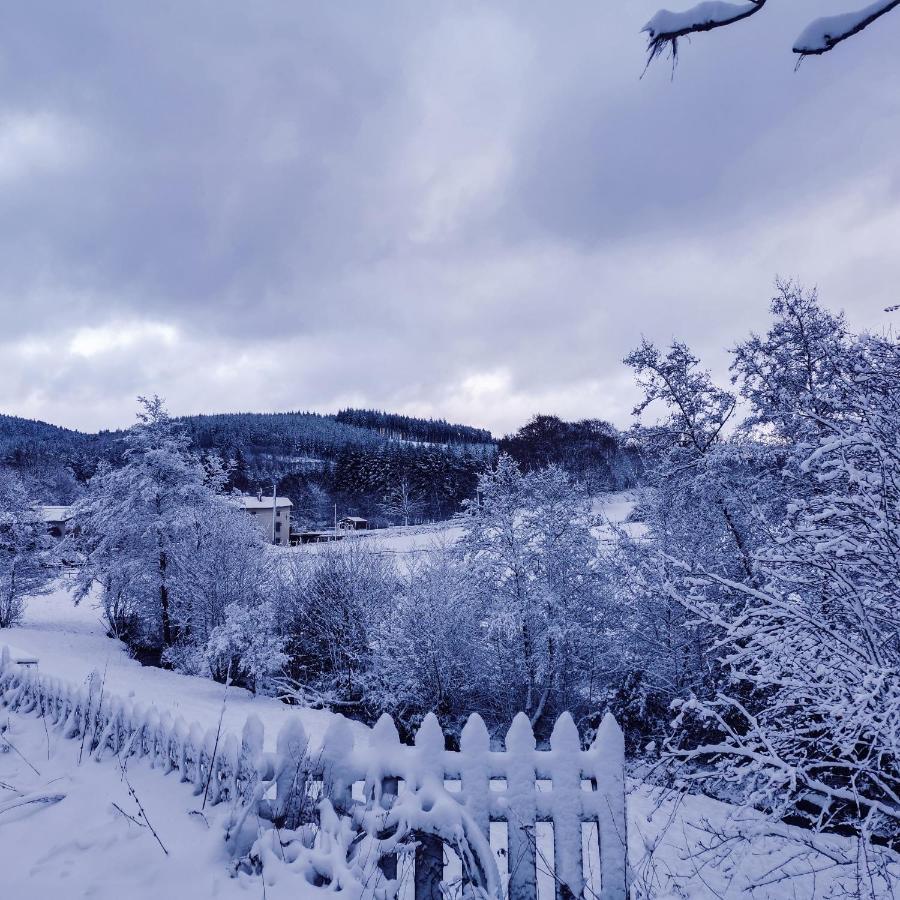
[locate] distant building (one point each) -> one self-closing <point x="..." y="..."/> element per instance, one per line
<point x="353" y="523"/>
<point x="315" y="537"/>
<point x="55" y="518"/>
<point x="276" y="528"/>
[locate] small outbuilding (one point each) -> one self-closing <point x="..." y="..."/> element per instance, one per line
<point x="353" y="523"/>
<point x="56" y="518"/>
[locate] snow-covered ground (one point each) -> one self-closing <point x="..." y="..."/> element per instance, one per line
<point x="70" y="642"/>
<point x="82" y="846"/>
<point x="399" y="540"/>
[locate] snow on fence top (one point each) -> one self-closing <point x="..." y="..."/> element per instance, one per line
<point x="565" y="786"/>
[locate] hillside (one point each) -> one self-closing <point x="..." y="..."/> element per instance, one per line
<point x="384" y="466"/>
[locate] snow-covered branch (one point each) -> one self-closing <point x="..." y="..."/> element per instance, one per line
<point x="666" y="28"/>
<point x="823" y="34"/>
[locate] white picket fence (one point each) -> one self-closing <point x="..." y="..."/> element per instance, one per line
<point x="581" y="793"/>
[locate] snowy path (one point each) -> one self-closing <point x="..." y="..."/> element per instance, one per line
<point x="70" y="642"/>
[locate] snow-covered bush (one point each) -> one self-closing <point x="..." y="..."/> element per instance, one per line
<point x="430" y="651"/>
<point x="330" y="603"/>
<point x="247" y="645"/>
<point x="24" y="549"/>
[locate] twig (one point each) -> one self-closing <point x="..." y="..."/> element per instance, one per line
<point x="46" y="732"/>
<point x="9" y="787"/>
<point x="49" y="799"/>
<point x="212" y="762"/>
<point x="143" y="813"/>
<point x="127" y="816"/>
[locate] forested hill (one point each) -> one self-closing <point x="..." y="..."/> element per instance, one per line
<point x="384" y="466"/>
<point x="407" y="428"/>
<point x="321" y="436"/>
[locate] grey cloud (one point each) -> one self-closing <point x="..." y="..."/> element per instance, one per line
<point x="447" y="196"/>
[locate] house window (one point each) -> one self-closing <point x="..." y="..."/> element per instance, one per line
<point x="278" y="526"/>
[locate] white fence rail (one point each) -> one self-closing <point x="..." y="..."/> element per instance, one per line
<point x="458" y="794"/>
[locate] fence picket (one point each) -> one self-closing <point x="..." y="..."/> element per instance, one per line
<point x="429" y="742"/>
<point x="608" y="756"/>
<point x="565" y="771"/>
<point x="382" y="789"/>
<point x="521" y="803"/>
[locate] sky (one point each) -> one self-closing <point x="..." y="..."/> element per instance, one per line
<point x="453" y="209"/>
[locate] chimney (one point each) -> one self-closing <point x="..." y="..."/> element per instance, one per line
<point x="259" y="495"/>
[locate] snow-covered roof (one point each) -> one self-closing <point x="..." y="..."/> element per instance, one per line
<point x="55" y="513"/>
<point x="353" y="519"/>
<point x="265" y="503"/>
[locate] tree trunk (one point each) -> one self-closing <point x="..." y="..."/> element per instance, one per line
<point x="164" y="600"/>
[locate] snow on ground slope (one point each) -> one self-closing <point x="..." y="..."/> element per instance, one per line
<point x="82" y="846"/>
<point x="70" y="642"/>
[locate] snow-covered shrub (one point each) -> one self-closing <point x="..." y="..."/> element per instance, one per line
<point x="247" y="645"/>
<point x="429" y="648"/>
<point x="330" y="603"/>
<point x="24" y="549"/>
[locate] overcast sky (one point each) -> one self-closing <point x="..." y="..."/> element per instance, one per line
<point x="463" y="210"/>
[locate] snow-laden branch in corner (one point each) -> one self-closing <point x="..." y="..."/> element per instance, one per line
<point x="665" y="28"/>
<point x="821" y="35"/>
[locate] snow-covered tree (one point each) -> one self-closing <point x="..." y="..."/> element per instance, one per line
<point x="529" y="551"/>
<point x="224" y="562"/>
<point x="692" y="471"/>
<point x="809" y="721"/>
<point x="667" y="28"/>
<point x="786" y="376"/>
<point x="402" y="500"/>
<point x="136" y="526"/>
<point x="24" y="549"/>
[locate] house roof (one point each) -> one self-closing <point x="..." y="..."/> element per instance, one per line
<point x="54" y="513"/>
<point x="265" y="503"/>
<point x="353" y="519"/>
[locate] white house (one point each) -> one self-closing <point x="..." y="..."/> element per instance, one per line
<point x="277" y="528"/>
